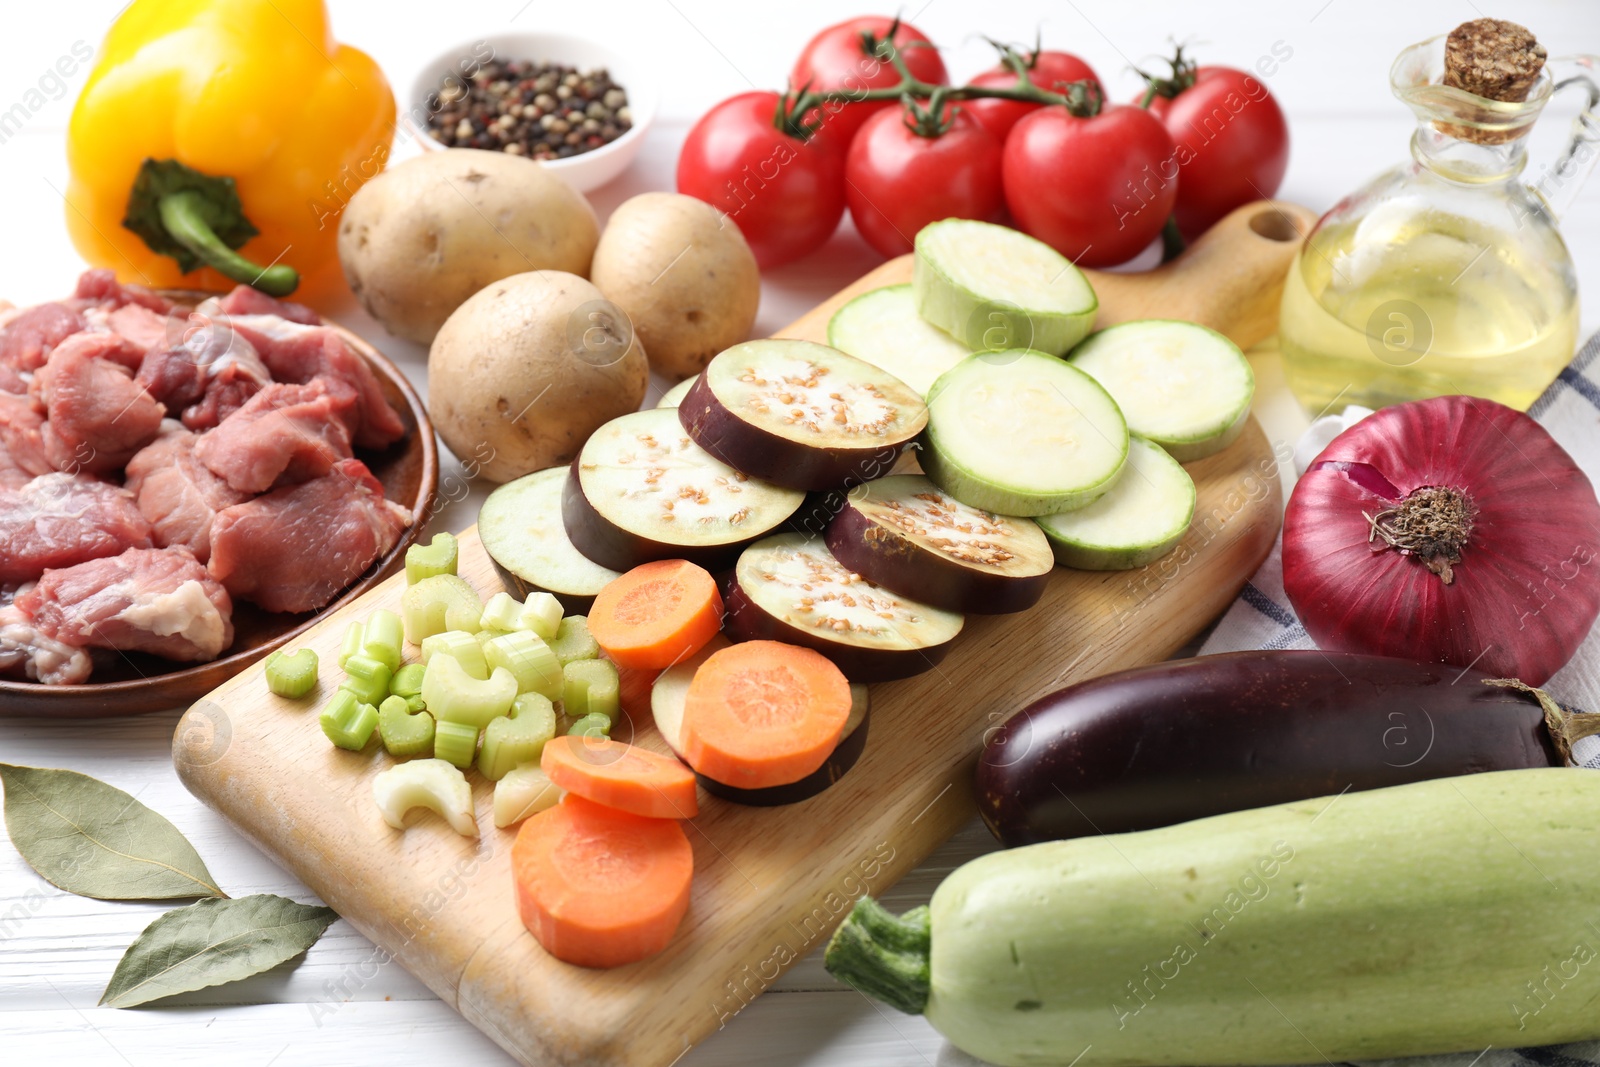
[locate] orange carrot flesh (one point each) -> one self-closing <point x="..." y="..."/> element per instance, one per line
<point x="763" y="713"/>
<point x="621" y="776"/>
<point x="633" y="691"/>
<point x="599" y="887"/>
<point x="656" y="614"/>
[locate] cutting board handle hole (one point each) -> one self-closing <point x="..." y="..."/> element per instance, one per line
<point x="1274" y="225"/>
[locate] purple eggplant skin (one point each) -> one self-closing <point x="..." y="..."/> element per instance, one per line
<point x="761" y="454"/>
<point x="609" y="545"/>
<point x="888" y="558"/>
<point x="745" y="620"/>
<point x="520" y="587"/>
<point x="1195" y="737"/>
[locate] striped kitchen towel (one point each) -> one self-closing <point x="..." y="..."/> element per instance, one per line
<point x="1570" y="410"/>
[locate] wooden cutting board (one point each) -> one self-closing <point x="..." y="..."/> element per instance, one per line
<point x="770" y="883"/>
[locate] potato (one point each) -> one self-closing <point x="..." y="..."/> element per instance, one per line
<point x="524" y="371"/>
<point x="421" y="237"/>
<point x="683" y="273"/>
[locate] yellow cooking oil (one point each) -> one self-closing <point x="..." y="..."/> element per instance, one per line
<point x="1438" y="305"/>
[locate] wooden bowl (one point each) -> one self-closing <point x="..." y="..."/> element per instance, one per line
<point x="136" y="683"/>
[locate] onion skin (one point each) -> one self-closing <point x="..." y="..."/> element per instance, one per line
<point x="1527" y="588"/>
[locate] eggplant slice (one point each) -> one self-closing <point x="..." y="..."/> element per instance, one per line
<point x="801" y="414"/>
<point x="641" y="490"/>
<point x="791" y="588"/>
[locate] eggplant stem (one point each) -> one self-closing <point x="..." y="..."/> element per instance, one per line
<point x="1564" y="725"/>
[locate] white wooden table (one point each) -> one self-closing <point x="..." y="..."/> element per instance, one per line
<point x="341" y="1005"/>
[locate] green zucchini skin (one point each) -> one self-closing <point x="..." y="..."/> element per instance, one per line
<point x="1441" y="916"/>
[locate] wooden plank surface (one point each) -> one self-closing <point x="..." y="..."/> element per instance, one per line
<point x="770" y="884"/>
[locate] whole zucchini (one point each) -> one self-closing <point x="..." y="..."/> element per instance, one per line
<point x="1190" y="738"/>
<point x="1440" y="916"/>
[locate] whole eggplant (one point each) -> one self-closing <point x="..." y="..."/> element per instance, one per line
<point x="1190" y="738"/>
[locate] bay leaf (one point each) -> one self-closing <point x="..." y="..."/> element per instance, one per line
<point x="212" y="942"/>
<point x="94" y="840"/>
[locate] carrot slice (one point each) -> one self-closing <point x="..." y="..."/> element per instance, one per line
<point x="763" y="713"/>
<point x="633" y="691"/>
<point x="600" y="887"/>
<point x="656" y="614"/>
<point x="621" y="776"/>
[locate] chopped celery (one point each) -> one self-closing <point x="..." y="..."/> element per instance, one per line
<point x="434" y="605"/>
<point x="530" y="659"/>
<point x="572" y="640"/>
<point x="354" y="637"/>
<point x="518" y="738"/>
<point x="416" y="703"/>
<point x="460" y="646"/>
<point x="428" y="783"/>
<point x="292" y="675"/>
<point x="368" y="678"/>
<point x="455" y="696"/>
<point x="502" y="612"/>
<point x="404" y="733"/>
<point x="594" y="724"/>
<point x="524" y="791"/>
<point x="428" y="561"/>
<point x="541" y="613"/>
<point x="381" y="638"/>
<point x="348" y="722"/>
<point x="455" y="742"/>
<point x="589" y="686"/>
<point x="407" y="681"/>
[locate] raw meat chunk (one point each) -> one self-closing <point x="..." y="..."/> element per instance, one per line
<point x="207" y="376"/>
<point x="58" y="520"/>
<point x="295" y="353"/>
<point x="27" y="653"/>
<point x="22" y="453"/>
<point x="28" y="339"/>
<point x="101" y="287"/>
<point x="287" y="433"/>
<point x="156" y="600"/>
<point x="177" y="493"/>
<point x="296" y="548"/>
<point x="247" y="301"/>
<point x="98" y="416"/>
<point x="139" y="326"/>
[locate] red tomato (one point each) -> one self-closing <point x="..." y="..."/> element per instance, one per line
<point x="1097" y="189"/>
<point x="835" y="59"/>
<point x="786" y="195"/>
<point x="1049" y="70"/>
<point x="896" y="181"/>
<point x="1233" y="144"/>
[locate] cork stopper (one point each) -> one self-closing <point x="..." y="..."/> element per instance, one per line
<point x="1494" y="59"/>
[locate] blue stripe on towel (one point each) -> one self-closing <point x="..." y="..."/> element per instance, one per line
<point x="1267" y="606"/>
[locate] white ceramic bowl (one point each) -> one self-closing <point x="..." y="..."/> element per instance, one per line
<point x="587" y="170"/>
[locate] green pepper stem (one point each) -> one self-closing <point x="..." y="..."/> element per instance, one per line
<point x="182" y="213"/>
<point x="883" y="956"/>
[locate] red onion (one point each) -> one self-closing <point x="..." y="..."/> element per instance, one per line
<point x="1453" y="530"/>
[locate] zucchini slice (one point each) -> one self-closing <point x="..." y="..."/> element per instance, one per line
<point x="642" y="490"/>
<point x="521" y="530"/>
<point x="674" y="396"/>
<point x="800" y="414"/>
<point x="1185" y="387"/>
<point x="883" y="328"/>
<point x="790" y="588"/>
<point x="671" y="689"/>
<point x="995" y="288"/>
<point x="911" y="537"/>
<point x="1140" y="520"/>
<point x="1022" y="433"/>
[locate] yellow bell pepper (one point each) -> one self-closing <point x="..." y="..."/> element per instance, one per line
<point x="194" y="101"/>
